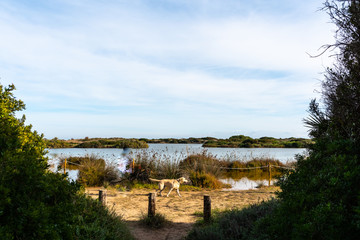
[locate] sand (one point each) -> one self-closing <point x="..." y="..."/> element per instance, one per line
<point x="132" y="205"/>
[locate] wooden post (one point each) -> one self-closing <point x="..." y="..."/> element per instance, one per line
<point x="101" y="196"/>
<point x="269" y="174"/>
<point x="65" y="166"/>
<point x="207" y="208"/>
<point x="151" y="211"/>
<point x="133" y="165"/>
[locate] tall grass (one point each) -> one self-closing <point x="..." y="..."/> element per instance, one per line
<point x="93" y="171"/>
<point x="156" y="165"/>
<point x="202" y="162"/>
<point x="202" y="169"/>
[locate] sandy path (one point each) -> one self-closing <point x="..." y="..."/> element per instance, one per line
<point x="180" y="211"/>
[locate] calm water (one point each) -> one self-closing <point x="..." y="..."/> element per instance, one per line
<point x="182" y="150"/>
<point x="179" y="152"/>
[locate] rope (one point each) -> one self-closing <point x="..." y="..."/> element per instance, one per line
<point x="245" y="168"/>
<point x="74" y="163"/>
<point x="289" y="168"/>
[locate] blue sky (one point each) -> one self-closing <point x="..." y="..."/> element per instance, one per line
<point x="164" y="68"/>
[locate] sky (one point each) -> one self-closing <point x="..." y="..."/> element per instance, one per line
<point x="164" y="68"/>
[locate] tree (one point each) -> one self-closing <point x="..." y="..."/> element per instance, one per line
<point x="36" y="203"/>
<point x="321" y="199"/>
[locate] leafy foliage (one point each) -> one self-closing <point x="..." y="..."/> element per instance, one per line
<point x="157" y="221"/>
<point x="94" y="171"/>
<point x="323" y="193"/>
<point x="36" y="203"/>
<point x="235" y="224"/>
<point x="320" y="200"/>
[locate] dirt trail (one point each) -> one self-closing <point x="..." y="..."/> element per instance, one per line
<point x="180" y="211"/>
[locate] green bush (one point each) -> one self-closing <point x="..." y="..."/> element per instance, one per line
<point x="94" y="171"/>
<point x="322" y="195"/>
<point x="36" y="203"/>
<point x="235" y="224"/>
<point x="95" y="221"/>
<point x="157" y="221"/>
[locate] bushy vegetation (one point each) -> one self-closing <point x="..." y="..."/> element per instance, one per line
<point x="202" y="162"/>
<point x="241" y="141"/>
<point x="323" y="194"/>
<point x="36" y="203"/>
<point x="206" y="180"/>
<point x="157" y="221"/>
<point x="202" y="169"/>
<point x="96" y="143"/>
<point x="96" y="172"/>
<point x="320" y="199"/>
<point x="179" y="140"/>
<point x="93" y="171"/>
<point x="151" y="164"/>
<point x="235" y="224"/>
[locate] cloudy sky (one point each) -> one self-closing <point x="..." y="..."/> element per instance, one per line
<point x="164" y="68"/>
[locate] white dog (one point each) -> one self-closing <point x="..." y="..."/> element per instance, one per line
<point x="171" y="183"/>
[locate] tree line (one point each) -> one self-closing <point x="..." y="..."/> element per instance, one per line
<point x="238" y="141"/>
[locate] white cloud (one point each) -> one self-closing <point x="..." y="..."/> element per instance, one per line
<point x="128" y="59"/>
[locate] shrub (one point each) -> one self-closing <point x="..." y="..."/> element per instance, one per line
<point x="203" y="162"/>
<point x="205" y="180"/>
<point x="157" y="221"/>
<point x="36" y="203"/>
<point x="235" y="224"/>
<point x="151" y="164"/>
<point x="94" y="171"/>
<point x="96" y="221"/>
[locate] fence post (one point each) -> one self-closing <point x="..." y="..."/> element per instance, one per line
<point x="102" y="196"/>
<point x="65" y="166"/>
<point x="151" y="210"/>
<point x="269" y="174"/>
<point x="207" y="208"/>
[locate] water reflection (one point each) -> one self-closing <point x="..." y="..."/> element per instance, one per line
<point x="245" y="183"/>
<point x="177" y="151"/>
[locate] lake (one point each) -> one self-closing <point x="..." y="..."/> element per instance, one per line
<point x="176" y="151"/>
<point x="180" y="151"/>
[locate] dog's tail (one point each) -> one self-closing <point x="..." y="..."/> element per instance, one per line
<point x="154" y="180"/>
